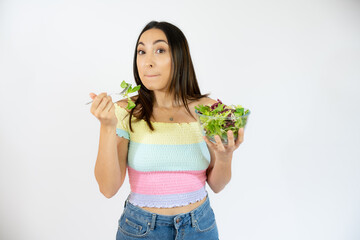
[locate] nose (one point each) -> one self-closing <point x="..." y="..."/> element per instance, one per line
<point x="149" y="61"/>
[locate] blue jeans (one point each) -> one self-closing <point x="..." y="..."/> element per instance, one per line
<point x="136" y="223"/>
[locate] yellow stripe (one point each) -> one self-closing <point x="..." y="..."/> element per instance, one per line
<point x="123" y="118"/>
<point x="164" y="133"/>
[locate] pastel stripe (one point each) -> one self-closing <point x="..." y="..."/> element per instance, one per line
<point x="122" y="133"/>
<point x="167" y="201"/>
<point x="167" y="133"/>
<point x="164" y="133"/>
<point x="170" y="182"/>
<point x="167" y="166"/>
<point x="149" y="157"/>
<point x="123" y="117"/>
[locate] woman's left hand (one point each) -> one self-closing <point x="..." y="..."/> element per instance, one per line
<point x="224" y="152"/>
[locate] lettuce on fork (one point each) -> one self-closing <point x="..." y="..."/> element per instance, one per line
<point x="131" y="104"/>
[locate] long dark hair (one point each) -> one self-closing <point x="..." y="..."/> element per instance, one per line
<point x="183" y="83"/>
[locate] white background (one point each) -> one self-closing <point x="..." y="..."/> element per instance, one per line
<point x="295" y="64"/>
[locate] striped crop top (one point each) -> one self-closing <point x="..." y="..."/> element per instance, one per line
<point x="167" y="166"/>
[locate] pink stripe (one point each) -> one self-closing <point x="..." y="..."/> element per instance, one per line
<point x="166" y="182"/>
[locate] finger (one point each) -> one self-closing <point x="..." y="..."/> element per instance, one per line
<point x="112" y="108"/>
<point x="210" y="144"/>
<point x="230" y="135"/>
<point x="92" y="95"/>
<point x="240" y="138"/>
<point x="109" y="97"/>
<point x="102" y="104"/>
<point x="219" y="144"/>
<point x="100" y="96"/>
<point x="108" y="105"/>
<point x="97" y="101"/>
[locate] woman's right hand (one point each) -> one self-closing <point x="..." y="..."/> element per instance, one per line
<point x="103" y="109"/>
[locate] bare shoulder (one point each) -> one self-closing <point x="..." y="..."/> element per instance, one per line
<point x="201" y="101"/>
<point x="207" y="101"/>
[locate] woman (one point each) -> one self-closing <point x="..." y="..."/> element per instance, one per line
<point x="160" y="143"/>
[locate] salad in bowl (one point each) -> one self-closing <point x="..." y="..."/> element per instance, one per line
<point x="218" y="119"/>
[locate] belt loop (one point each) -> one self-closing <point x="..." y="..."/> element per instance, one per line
<point x="193" y="220"/>
<point x="126" y="201"/>
<point x="152" y="226"/>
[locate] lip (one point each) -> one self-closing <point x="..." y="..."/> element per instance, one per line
<point x="151" y="75"/>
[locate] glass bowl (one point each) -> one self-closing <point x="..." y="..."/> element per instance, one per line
<point x="211" y="125"/>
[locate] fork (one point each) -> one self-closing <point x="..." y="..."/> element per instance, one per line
<point x="120" y="93"/>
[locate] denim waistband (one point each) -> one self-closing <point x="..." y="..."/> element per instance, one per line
<point x="166" y="219"/>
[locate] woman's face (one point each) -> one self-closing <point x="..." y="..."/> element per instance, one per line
<point x="154" y="60"/>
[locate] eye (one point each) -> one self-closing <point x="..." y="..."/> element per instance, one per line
<point x="160" y="50"/>
<point x="140" y="52"/>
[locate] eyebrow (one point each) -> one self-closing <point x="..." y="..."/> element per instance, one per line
<point x="157" y="41"/>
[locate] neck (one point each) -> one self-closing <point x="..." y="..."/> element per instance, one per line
<point x="164" y="100"/>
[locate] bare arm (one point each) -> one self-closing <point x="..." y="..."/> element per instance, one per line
<point x="219" y="170"/>
<point x="110" y="166"/>
<point x="218" y="173"/>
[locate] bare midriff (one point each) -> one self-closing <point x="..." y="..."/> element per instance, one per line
<point x="175" y="210"/>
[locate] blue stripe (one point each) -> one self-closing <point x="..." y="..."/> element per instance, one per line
<point x="156" y="157"/>
<point x="122" y="133"/>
